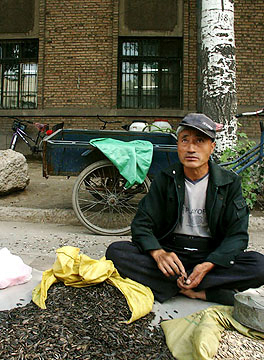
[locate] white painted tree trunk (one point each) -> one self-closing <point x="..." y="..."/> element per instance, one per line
<point x="218" y="67"/>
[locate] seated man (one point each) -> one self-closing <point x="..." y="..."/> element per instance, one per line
<point x="191" y="229"/>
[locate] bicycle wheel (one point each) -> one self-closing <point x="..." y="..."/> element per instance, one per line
<point x="101" y="202"/>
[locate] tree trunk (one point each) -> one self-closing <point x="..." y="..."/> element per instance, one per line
<point x="217" y="66"/>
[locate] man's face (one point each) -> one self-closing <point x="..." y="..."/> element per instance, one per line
<point x="194" y="149"/>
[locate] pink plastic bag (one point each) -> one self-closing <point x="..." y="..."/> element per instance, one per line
<point x="13" y="271"/>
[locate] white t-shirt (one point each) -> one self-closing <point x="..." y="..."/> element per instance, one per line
<point x="194" y="219"/>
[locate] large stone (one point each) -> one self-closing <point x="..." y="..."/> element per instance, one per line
<point x="13" y="171"/>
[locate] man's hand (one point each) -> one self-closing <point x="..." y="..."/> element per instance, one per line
<point x="196" y="276"/>
<point x="168" y="262"/>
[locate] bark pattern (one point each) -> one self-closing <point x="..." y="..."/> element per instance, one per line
<point x="218" y="67"/>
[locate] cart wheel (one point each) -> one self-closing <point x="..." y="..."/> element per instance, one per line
<point x="100" y="201"/>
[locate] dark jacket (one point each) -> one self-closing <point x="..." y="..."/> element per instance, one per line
<point x="227" y="213"/>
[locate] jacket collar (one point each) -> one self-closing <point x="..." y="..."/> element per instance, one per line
<point x="218" y="175"/>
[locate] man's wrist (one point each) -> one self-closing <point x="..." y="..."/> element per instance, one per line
<point x="156" y="252"/>
<point x="207" y="266"/>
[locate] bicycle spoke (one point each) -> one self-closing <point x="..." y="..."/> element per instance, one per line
<point x="89" y="206"/>
<point x="94" y="186"/>
<point x="129" y="207"/>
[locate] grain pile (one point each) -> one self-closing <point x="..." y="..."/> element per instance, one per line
<point x="79" y="323"/>
<point x="236" y="346"/>
<point x="88" y="324"/>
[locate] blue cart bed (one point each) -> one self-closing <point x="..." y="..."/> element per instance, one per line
<point x="65" y="152"/>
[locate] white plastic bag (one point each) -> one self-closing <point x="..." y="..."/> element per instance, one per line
<point x="13" y="271"/>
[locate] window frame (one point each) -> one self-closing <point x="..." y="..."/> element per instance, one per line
<point x="162" y="60"/>
<point x="21" y="58"/>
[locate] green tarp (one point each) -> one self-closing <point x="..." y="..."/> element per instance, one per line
<point x="132" y="158"/>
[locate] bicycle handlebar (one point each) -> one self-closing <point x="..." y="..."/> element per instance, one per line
<point x="21" y="120"/>
<point x="105" y="122"/>
<point x="40" y="127"/>
<point x="251" y="113"/>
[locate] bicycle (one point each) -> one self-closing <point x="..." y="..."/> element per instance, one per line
<point x="253" y="155"/>
<point x="35" y="144"/>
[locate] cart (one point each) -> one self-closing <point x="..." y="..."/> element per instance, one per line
<point x="99" y="197"/>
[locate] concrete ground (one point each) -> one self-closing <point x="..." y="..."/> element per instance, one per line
<point x="38" y="220"/>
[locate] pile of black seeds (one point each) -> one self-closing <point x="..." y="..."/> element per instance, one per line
<point x="80" y="323"/>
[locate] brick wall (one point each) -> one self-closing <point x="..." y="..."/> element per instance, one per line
<point x="77" y="53"/>
<point x="78" y="57"/>
<point x="190" y="55"/>
<point x="249" y="33"/>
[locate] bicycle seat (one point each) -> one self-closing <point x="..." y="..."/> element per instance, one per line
<point x="219" y="127"/>
<point x="41" y="127"/>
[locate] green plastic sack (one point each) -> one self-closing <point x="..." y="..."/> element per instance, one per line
<point x="132" y="158"/>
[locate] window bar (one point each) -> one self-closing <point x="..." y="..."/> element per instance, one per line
<point x="148" y="91"/>
<point x="5" y="93"/>
<point x="139" y="92"/>
<point x="127" y="89"/>
<point x="19" y="85"/>
<point x="1" y="85"/>
<point x="167" y="91"/>
<point x="157" y="85"/>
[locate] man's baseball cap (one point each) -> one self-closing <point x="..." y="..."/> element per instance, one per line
<point x="202" y="123"/>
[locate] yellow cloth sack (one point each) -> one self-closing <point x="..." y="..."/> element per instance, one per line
<point x="197" y="336"/>
<point x="79" y="270"/>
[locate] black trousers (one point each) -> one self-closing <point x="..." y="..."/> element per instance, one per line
<point x="220" y="283"/>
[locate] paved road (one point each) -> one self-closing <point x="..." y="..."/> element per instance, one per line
<point x="36" y="243"/>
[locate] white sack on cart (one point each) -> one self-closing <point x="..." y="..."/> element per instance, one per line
<point x="13" y="271"/>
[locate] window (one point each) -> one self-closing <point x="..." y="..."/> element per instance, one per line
<point x="150" y="73"/>
<point x="18" y="74"/>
